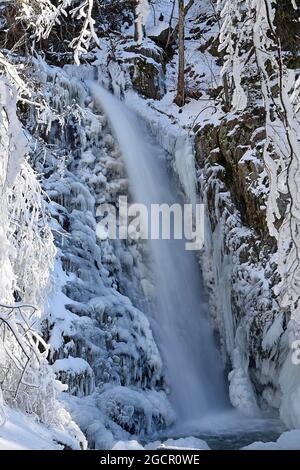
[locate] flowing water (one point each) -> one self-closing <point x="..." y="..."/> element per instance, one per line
<point x="179" y="319"/>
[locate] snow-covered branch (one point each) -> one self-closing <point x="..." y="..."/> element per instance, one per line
<point x="12" y="72"/>
<point x="26" y="257"/>
<point x="81" y="44"/>
<point x="42" y="15"/>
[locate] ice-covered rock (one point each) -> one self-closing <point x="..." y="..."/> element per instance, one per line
<point x="127" y="445"/>
<point x="138" y="412"/>
<point x="76" y="373"/>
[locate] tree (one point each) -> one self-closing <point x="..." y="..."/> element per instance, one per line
<point x="237" y="43"/>
<point x="26" y="258"/>
<point x="41" y="16"/>
<point x="142" y="9"/>
<point x="180" y="96"/>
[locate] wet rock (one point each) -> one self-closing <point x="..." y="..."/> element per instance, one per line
<point x="235" y="145"/>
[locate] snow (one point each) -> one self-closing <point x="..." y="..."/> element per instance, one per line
<point x="157" y="29"/>
<point x="127" y="445"/>
<point x="24" y="432"/>
<point x="262" y="446"/>
<point x="19" y="433"/>
<point x="74" y="365"/>
<point x="273" y="333"/>
<point x="289" y="440"/>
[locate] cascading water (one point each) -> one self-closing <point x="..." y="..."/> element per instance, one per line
<point x="179" y="319"/>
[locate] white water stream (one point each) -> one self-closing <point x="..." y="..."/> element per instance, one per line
<point x="179" y="320"/>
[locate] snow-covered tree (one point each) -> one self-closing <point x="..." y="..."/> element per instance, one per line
<point x="26" y="257"/>
<point x="142" y="10"/>
<point x="41" y="16"/>
<point x="180" y="96"/>
<point x="235" y="41"/>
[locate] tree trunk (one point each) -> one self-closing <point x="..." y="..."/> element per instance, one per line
<point x="136" y="31"/>
<point x="180" y="97"/>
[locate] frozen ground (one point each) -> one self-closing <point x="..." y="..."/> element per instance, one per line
<point x="24" y="432"/>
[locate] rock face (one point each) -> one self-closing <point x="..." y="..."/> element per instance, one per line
<point x="237" y="146"/>
<point x="146" y="67"/>
<point x="160" y="34"/>
<point x="146" y="78"/>
<point x="240" y="254"/>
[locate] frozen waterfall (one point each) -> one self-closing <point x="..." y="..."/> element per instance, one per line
<point x="179" y="318"/>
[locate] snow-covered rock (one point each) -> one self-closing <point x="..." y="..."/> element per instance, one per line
<point x="127" y="445"/>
